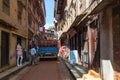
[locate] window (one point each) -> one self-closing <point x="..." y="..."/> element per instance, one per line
<point x="6" y="6"/>
<point x="19" y="15"/>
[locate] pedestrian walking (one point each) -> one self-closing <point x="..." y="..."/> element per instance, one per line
<point x="19" y="55"/>
<point x="33" y="55"/>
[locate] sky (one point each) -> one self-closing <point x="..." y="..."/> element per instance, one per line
<point x="49" y="5"/>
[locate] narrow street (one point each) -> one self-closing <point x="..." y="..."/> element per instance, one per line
<point x="44" y="70"/>
<point x="84" y="34"/>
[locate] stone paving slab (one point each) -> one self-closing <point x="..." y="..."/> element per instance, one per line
<point x="47" y="70"/>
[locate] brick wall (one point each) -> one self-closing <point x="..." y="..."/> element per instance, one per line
<point x="12" y="19"/>
<point x="116" y="40"/>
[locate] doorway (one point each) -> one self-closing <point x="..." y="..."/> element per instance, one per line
<point x="4" y="49"/>
<point x="19" y="40"/>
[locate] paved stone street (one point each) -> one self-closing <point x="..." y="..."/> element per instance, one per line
<point x="45" y="70"/>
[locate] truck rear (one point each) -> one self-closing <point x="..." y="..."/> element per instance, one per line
<point x="48" y="49"/>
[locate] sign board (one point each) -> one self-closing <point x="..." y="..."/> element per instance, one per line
<point x="74" y="56"/>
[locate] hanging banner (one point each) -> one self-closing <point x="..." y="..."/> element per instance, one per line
<point x="42" y="30"/>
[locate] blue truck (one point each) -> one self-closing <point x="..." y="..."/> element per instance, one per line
<point x="48" y="49"/>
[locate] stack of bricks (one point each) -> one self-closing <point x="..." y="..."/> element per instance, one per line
<point x="116" y="75"/>
<point x="92" y="75"/>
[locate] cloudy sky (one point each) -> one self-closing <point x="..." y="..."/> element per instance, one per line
<point x="49" y="4"/>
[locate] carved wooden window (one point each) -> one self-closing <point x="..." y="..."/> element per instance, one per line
<point x="6" y="6"/>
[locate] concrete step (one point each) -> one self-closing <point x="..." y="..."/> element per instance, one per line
<point x="75" y="70"/>
<point x="12" y="70"/>
<point x="80" y="70"/>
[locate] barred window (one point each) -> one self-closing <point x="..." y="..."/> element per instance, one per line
<point x="6" y="6"/>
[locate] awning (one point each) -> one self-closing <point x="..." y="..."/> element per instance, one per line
<point x="76" y="21"/>
<point x="63" y="36"/>
<point x="72" y="32"/>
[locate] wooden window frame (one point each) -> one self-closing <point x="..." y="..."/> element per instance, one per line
<point x="6" y="6"/>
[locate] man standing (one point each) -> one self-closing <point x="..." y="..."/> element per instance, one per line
<point x="19" y="55"/>
<point x="33" y="54"/>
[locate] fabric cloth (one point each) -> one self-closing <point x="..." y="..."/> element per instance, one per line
<point x="19" y="55"/>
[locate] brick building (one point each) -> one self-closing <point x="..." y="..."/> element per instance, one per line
<point x="13" y="30"/>
<point x="92" y="28"/>
<point x="19" y="23"/>
<point x="49" y="34"/>
<point x="36" y="19"/>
